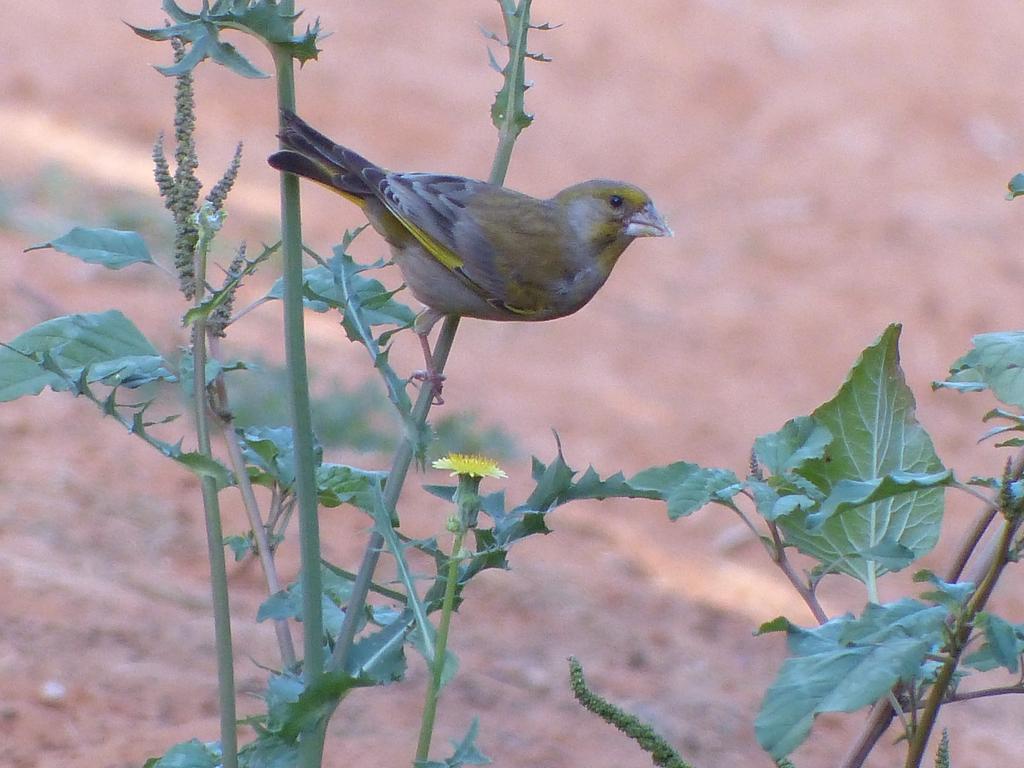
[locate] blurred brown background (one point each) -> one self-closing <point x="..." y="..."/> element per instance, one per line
<point x="828" y="168"/>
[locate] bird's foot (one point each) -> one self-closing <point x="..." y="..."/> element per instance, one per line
<point x="432" y="378"/>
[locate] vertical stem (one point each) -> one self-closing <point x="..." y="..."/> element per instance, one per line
<point x="960" y="635"/>
<point x="396" y="479"/>
<point x="311" y="741"/>
<point x="440" y="650"/>
<point x="214" y="532"/>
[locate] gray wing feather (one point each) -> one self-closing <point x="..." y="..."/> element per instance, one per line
<point x="436" y="205"/>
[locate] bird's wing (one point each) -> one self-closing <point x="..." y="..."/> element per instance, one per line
<point x="433" y="208"/>
<point x="442" y="213"/>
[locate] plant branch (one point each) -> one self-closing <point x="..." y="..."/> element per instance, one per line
<point x="440" y="650"/>
<point x="960" y="635"/>
<point x="778" y="553"/>
<point x="311" y="739"/>
<point x="396" y="479"/>
<point x="252" y="509"/>
<point x="211" y="508"/>
<point x="986" y="692"/>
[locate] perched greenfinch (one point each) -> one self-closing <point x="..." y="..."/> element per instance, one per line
<point x="470" y="248"/>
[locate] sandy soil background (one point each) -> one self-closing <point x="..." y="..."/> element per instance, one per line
<point x="828" y="169"/>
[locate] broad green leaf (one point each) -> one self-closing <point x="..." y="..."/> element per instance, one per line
<point x="996" y="361"/>
<point x="104" y="347"/>
<point x="189" y="754"/>
<point x="951" y="595"/>
<point x="848" y="494"/>
<point x="268" y="750"/>
<point x="1004" y="643"/>
<point x="686" y="487"/>
<point x="844" y="665"/>
<point x="799" y="439"/>
<point x="876" y="441"/>
<point x="1015" y="186"/>
<point x="112" y="248"/>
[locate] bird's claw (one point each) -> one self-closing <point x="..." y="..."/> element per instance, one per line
<point x="434" y="379"/>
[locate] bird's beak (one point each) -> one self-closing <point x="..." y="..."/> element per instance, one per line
<point x="647" y="222"/>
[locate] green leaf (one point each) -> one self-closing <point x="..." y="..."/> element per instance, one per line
<point x="338" y="484"/>
<point x="849" y="494"/>
<point x="1015" y="187"/>
<point x="269" y="453"/>
<point x="263" y="19"/>
<point x="205" y="466"/>
<point x="842" y="666"/>
<point x="953" y="596"/>
<point x="996" y="361"/>
<point x="240" y="546"/>
<point x="552" y="481"/>
<point x="466" y="752"/>
<point x="189" y="754"/>
<point x="104" y="347"/>
<point x="799" y="439"/>
<point x="113" y="248"/>
<point x="380" y="657"/>
<point x="686" y="487"/>
<point x="881" y="467"/>
<point x="1004" y="643"/>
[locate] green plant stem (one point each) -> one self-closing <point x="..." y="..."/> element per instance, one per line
<point x="510" y="127"/>
<point x="440" y="650"/>
<point x="311" y="740"/>
<point x="252" y="511"/>
<point x="214" y="532"/>
<point x="396" y="479"/>
<point x="507" y="135"/>
<point x="960" y="635"/>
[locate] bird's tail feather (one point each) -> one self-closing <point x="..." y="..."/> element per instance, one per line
<point x="310" y="154"/>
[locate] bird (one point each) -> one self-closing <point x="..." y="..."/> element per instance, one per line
<point x="475" y="249"/>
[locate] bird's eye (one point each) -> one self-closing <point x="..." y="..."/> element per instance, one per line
<point x="615" y="201"/>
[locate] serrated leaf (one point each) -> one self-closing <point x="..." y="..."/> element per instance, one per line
<point x="104" y="347"/>
<point x="263" y="19"/>
<point x="875" y="437"/>
<point x="380" y="656"/>
<point x="111" y="248"/>
<point x="466" y="752"/>
<point x="842" y="666"/>
<point x="240" y="546"/>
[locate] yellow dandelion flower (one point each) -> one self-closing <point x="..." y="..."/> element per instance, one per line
<point x="470" y="466"/>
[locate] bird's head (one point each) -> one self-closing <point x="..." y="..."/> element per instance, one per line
<point x="603" y="211"/>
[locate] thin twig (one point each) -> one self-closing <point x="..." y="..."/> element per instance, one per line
<point x="986" y="692"/>
<point x="252" y="509"/>
<point x="803" y="589"/>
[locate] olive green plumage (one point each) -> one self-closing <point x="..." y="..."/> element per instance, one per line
<point x="470" y="248"/>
